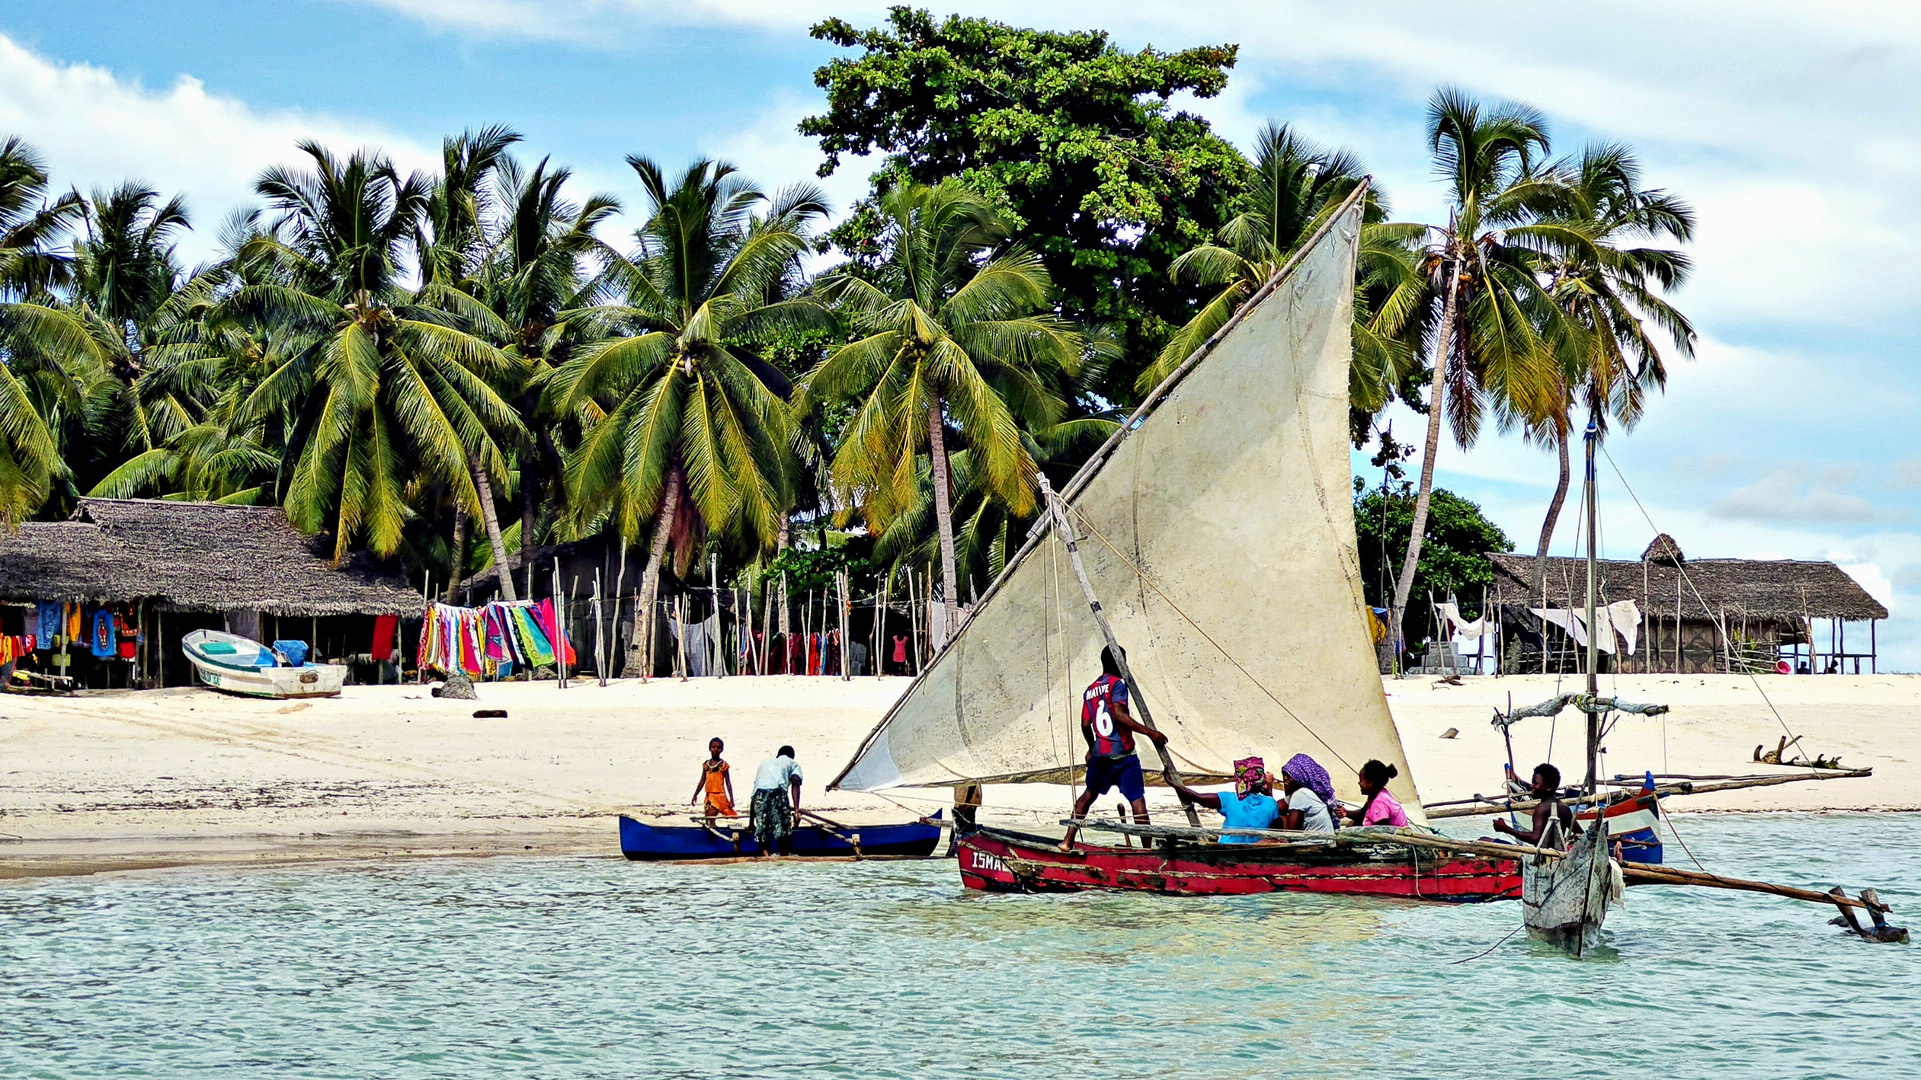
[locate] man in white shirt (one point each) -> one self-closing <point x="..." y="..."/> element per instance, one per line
<point x="776" y="802"/>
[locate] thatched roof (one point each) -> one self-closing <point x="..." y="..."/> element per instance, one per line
<point x="1780" y="589"/>
<point x="194" y="557"/>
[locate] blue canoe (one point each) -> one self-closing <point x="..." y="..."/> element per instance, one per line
<point x="646" y="843"/>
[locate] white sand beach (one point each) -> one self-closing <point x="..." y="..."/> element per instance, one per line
<point x="154" y="778"/>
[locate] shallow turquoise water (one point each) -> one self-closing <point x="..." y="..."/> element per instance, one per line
<point x="599" y="968"/>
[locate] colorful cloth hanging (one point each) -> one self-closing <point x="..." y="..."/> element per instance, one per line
<point x="104" y="644"/>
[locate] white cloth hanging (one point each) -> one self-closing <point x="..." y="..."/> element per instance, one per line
<point x="1622" y="617"/>
<point x="937" y="624"/>
<point x="1480" y="627"/>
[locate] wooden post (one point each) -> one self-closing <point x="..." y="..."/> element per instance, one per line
<point x="913" y="621"/>
<point x="560" y="629"/>
<point x="600" y="637"/>
<point x="767" y="626"/>
<point x="713" y="589"/>
<point x="1135" y="698"/>
<point x="1874" y="653"/>
<point x="846" y="644"/>
<point x="880" y="625"/>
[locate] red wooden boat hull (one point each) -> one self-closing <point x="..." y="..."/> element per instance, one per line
<point x="996" y="861"/>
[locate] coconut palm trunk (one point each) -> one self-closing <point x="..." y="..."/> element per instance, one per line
<point x="943" y="514"/>
<point x="492" y="521"/>
<point x="1537" y="586"/>
<point x="463" y="522"/>
<point x="650" y="577"/>
<point x="1423" y="496"/>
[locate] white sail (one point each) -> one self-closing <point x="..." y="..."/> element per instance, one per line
<point x="1218" y="531"/>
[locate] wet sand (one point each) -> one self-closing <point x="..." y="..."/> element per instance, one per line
<point x="157" y="778"/>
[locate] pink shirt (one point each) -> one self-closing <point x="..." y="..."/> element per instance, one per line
<point x="1385" y="810"/>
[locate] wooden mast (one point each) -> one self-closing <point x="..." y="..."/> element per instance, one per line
<point x="1593" y="639"/>
<point x="1137" y="700"/>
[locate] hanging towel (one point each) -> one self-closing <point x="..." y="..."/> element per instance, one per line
<point x="539" y="651"/>
<point x="386" y="627"/>
<point x="104" y="644"/>
<point x="48" y="616"/>
<point x="548" y="624"/>
<point x="74" y="630"/>
<point x="129" y="638"/>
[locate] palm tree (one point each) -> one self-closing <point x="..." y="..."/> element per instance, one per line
<point x="386" y="389"/>
<point x="452" y="254"/>
<point x="536" y="271"/>
<point x="36" y="339"/>
<point x="1294" y="186"/>
<point x="947" y="333"/>
<point x="679" y="427"/>
<point x="1489" y="344"/>
<point x="1611" y="294"/>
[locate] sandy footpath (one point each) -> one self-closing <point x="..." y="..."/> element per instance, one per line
<point x="123" y="780"/>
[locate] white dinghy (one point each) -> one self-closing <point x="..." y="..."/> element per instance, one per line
<point x="240" y="665"/>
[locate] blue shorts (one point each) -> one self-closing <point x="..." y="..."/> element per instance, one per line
<point x="1104" y="773"/>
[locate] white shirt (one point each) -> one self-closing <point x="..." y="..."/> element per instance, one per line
<point x="775" y="772"/>
<point x="1314" y="816"/>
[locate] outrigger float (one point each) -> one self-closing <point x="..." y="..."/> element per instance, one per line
<point x="1213" y="536"/>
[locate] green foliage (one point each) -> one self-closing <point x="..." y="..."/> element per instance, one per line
<point x="1072" y="139"/>
<point x="1453" y="553"/>
<point x="812" y="567"/>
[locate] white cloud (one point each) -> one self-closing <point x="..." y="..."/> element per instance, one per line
<point x="97" y="129"/>
<point x="1791" y="495"/>
<point x="773" y="151"/>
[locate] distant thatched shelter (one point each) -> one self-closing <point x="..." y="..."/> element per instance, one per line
<point x="179" y="566"/>
<point x="1700" y="615"/>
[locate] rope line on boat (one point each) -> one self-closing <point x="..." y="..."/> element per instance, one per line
<point x="1491" y="948"/>
<point x="1149" y="582"/>
<point x="1719" y="623"/>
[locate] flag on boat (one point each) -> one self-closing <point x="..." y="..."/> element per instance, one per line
<point x="1217" y="527"/>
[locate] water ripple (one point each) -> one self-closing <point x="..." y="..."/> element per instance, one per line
<point x="594" y="968"/>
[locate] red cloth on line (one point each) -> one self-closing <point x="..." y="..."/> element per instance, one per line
<point x="385" y="627"/>
<point x="544" y="613"/>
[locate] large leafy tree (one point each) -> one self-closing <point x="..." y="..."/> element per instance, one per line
<point x="1612" y="282"/>
<point x="1070" y="137"/>
<point x="1294" y="186"/>
<point x="945" y="333"/>
<point x="681" y="427"/>
<point x="387" y="390"/>
<point x="1497" y="327"/>
<point x="1453" y="561"/>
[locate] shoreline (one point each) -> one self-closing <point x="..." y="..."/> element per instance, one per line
<point x="137" y="780"/>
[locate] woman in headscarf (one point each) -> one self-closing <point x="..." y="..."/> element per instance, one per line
<point x="1251" y="806"/>
<point x="1310" y="805"/>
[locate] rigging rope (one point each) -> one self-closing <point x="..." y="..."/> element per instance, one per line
<point x="1681" y="569"/>
<point x="1149" y="582"/>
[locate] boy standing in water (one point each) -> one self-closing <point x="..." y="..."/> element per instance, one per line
<point x="716" y="783"/>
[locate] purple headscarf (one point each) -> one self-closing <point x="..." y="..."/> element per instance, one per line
<point x="1308" y="773"/>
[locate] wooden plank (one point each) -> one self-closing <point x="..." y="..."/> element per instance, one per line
<point x="1474" y="807"/>
<point x="1663" y="875"/>
<point x="1343" y="838"/>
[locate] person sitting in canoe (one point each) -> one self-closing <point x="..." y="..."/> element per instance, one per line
<point x="1548" y="810"/>
<point x="1109" y="730"/>
<point x="717" y="783"/>
<point x="776" y="802"/>
<point x="1310" y="796"/>
<point x="1380" y="808"/>
<point x="1251" y="806"/>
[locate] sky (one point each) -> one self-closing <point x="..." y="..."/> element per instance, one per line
<point x="1794" y="129"/>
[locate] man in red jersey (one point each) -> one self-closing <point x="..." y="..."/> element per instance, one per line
<point x="1109" y="730"/>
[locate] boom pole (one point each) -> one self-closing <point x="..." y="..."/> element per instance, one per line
<point x="1058" y="510"/>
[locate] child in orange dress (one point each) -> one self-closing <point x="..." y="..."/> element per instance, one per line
<point x="716" y="784"/>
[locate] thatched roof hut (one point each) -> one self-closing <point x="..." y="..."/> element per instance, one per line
<point x="192" y="557"/>
<point x="1778" y="589"/>
<point x="1708" y="614"/>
